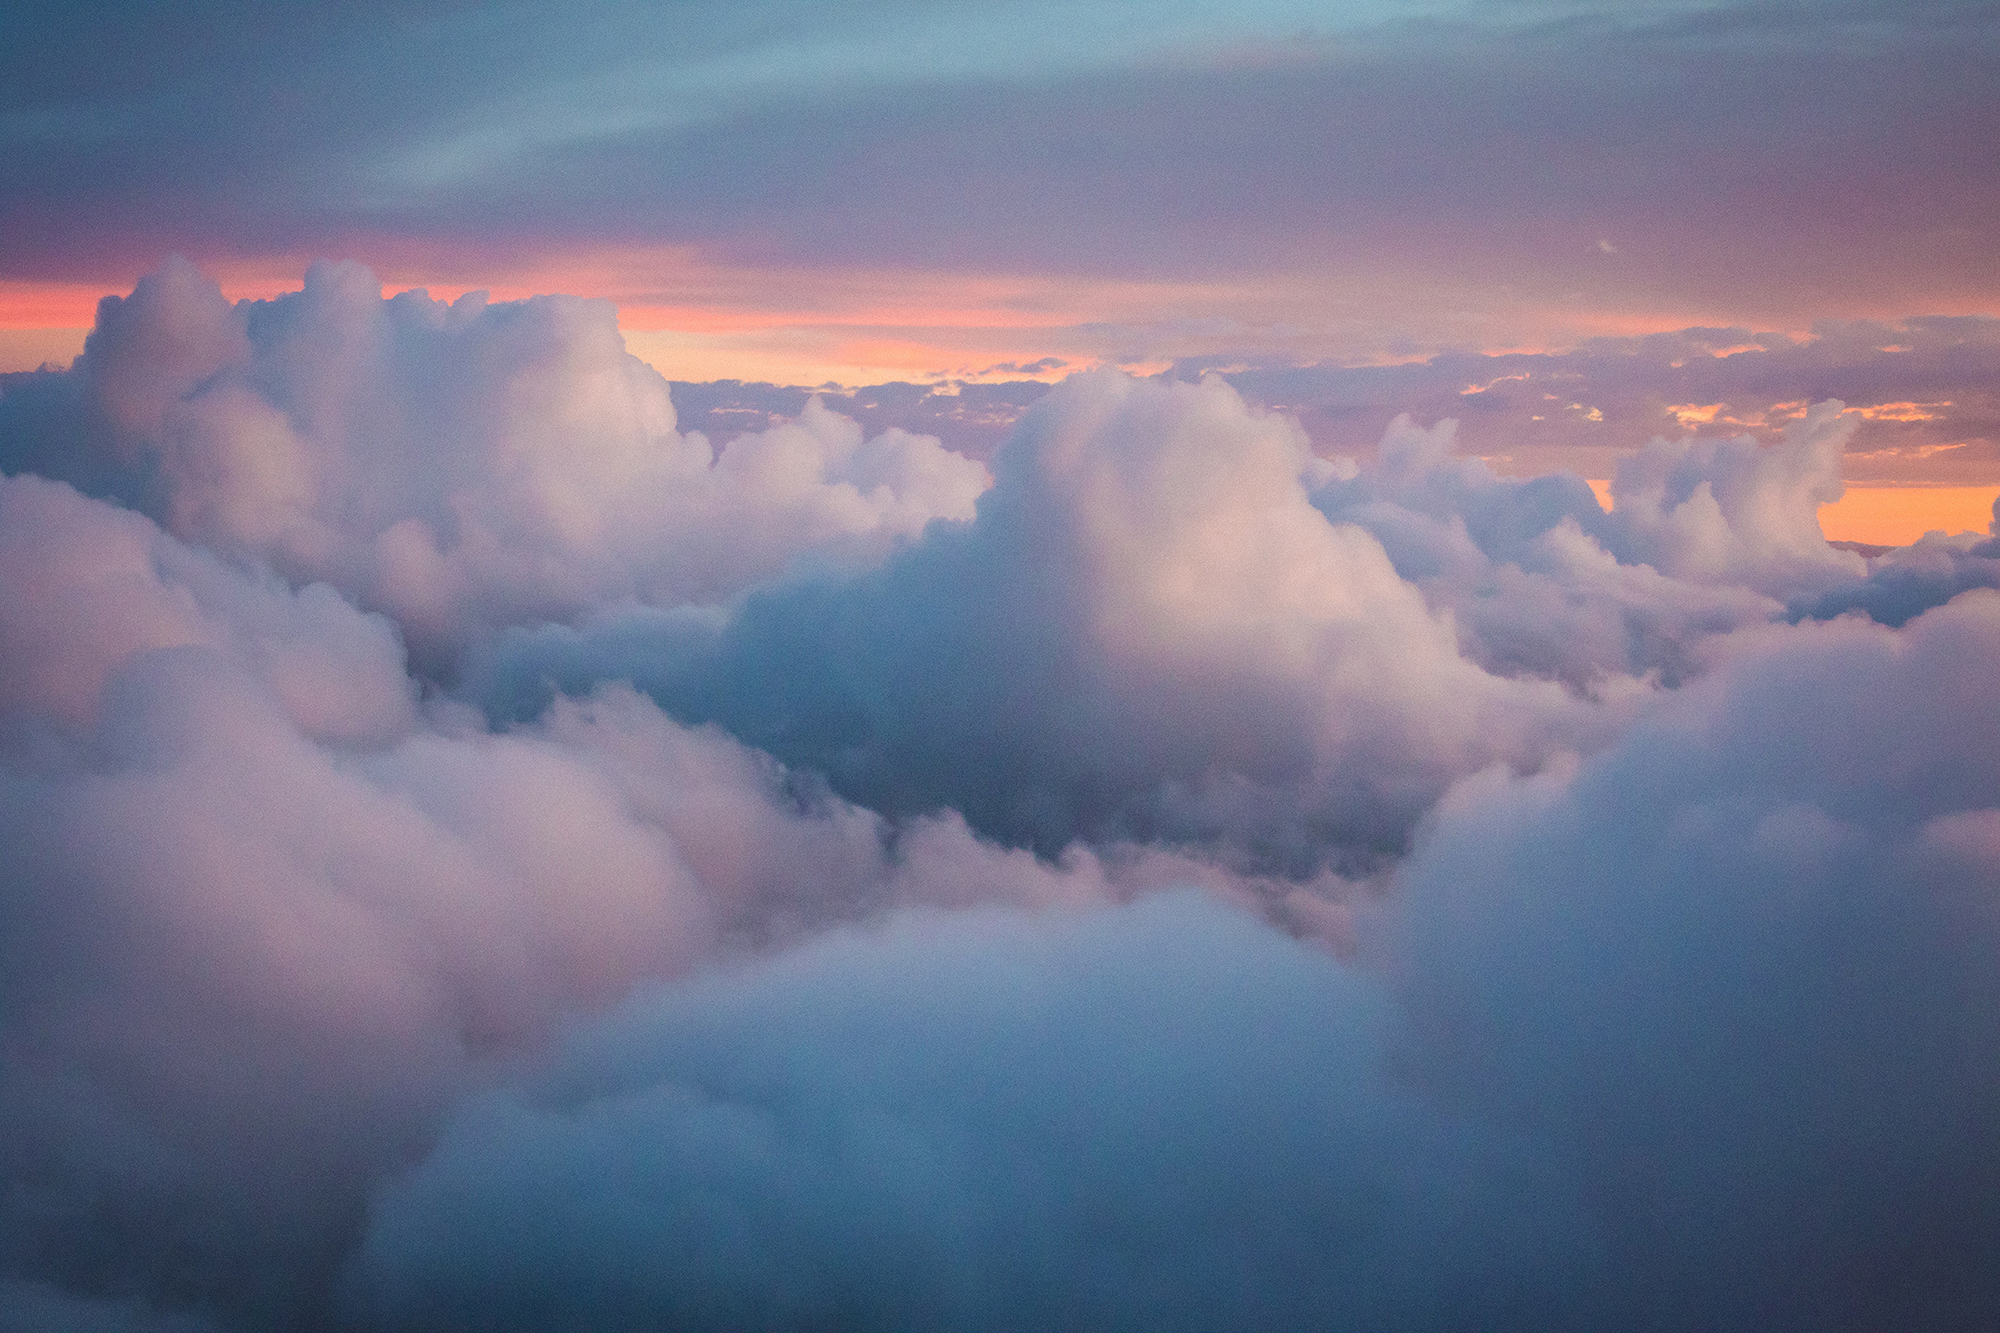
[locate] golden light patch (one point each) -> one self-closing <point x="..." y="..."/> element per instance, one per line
<point x="1892" y="515"/>
<point x="31" y="349"/>
<point x="1902" y="411"/>
<point x="1899" y="515"/>
<point x="1691" y="415"/>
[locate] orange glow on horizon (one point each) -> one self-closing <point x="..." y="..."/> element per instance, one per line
<point x="798" y="326"/>
<point x="1899" y="515"/>
<point x="1893" y="515"/>
<point x="801" y="324"/>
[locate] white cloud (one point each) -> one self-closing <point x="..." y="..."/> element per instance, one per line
<point x="1642" y="966"/>
<point x="466" y="466"/>
<point x="1148" y="629"/>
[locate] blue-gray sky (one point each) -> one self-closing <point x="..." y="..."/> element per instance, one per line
<point x="774" y="187"/>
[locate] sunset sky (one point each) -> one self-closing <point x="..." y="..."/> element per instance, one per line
<point x="1185" y="667"/>
<point x="927" y="192"/>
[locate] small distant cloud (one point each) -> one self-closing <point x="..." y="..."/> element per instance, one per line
<point x="1045" y="366"/>
<point x="1606" y="246"/>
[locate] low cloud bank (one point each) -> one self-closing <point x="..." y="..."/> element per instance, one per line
<point x="1185" y="882"/>
<point x="1921" y="390"/>
<point x="1745" y="967"/>
<point x="1164" y="1116"/>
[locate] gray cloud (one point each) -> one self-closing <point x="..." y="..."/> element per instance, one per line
<point x="1742" y="966"/>
<point x="1699" y="1033"/>
<point x="1913" y="579"/>
<point x="1161" y="1117"/>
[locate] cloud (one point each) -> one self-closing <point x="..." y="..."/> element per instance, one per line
<point x="1197" y="883"/>
<point x="458" y="467"/>
<point x="266" y="916"/>
<point x="1540" y="581"/>
<point x="932" y="135"/>
<point x="1742" y="967"/>
<point x="1733" y="512"/>
<point x="1164" y="1116"/>
<point x="1920" y="388"/>
<point x="1148" y="631"/>
<point x="1696" y="1033"/>
<point x="116" y="587"/>
<point x="1911" y="580"/>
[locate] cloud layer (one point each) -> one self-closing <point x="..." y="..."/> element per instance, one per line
<point x="1920" y="389"/>
<point x="475" y="856"/>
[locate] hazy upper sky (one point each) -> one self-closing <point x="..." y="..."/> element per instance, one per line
<point x="797" y="192"/>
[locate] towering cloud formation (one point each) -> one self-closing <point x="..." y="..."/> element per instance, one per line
<point x="1148" y="630"/>
<point x="746" y="911"/>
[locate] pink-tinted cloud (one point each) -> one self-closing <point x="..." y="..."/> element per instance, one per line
<point x="723" y="885"/>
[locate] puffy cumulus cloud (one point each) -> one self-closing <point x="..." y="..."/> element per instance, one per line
<point x="1744" y="969"/>
<point x="1730" y="524"/>
<point x="1148" y="631"/>
<point x="88" y="587"/>
<point x="1163" y="1116"/>
<point x="1736" y="512"/>
<point x="1531" y="569"/>
<point x="456" y="466"/>
<point x="264" y="915"/>
<point x="1699" y="1032"/>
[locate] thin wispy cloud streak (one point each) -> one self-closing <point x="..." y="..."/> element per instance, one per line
<point x="477" y="853"/>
